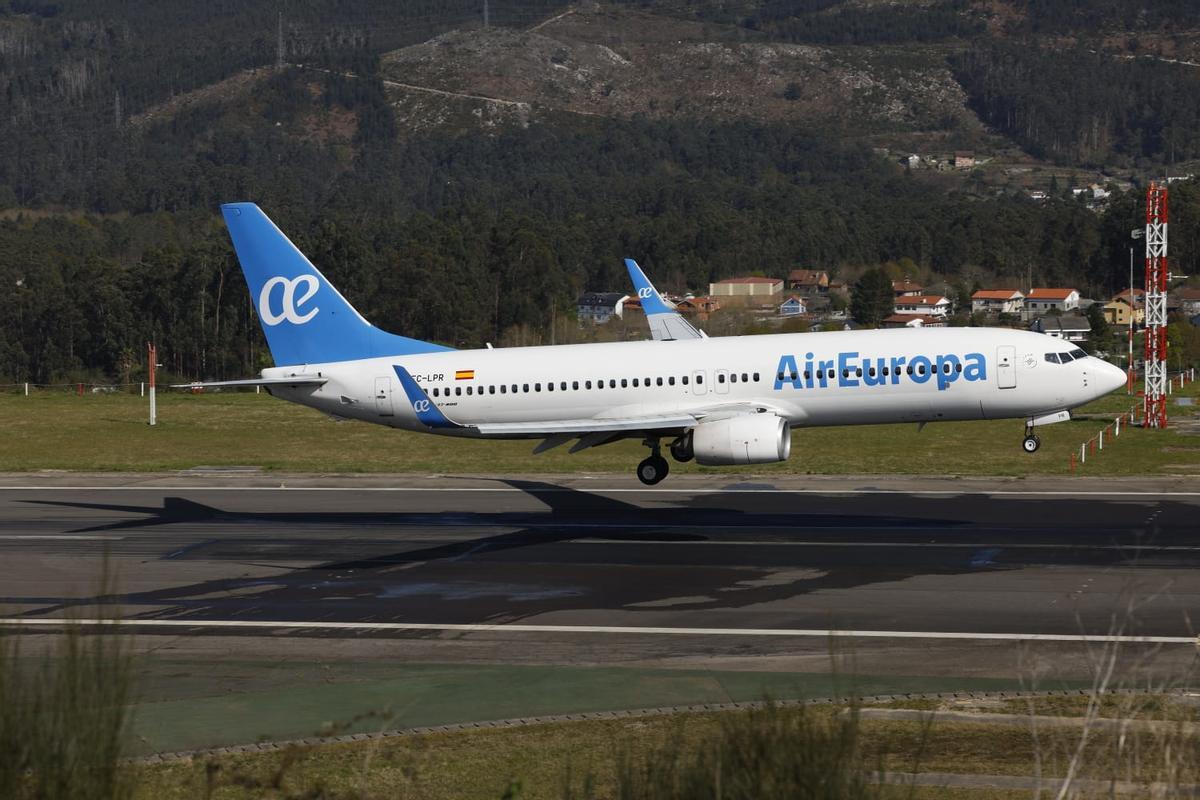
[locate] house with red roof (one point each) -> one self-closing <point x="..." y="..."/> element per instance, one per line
<point x="1042" y="300"/>
<point x="926" y="305"/>
<point x="998" y="301"/>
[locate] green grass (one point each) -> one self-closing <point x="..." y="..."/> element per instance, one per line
<point x="58" y="431"/>
<point x="543" y="759"/>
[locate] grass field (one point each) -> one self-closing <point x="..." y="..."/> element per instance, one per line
<point x="108" y="432"/>
<point x="545" y="759"/>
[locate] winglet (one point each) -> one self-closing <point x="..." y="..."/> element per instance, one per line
<point x="652" y="301"/>
<point x="426" y="410"/>
<point x="666" y="324"/>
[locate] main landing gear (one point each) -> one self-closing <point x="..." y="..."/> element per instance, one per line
<point x="655" y="468"/>
<point x="1031" y="443"/>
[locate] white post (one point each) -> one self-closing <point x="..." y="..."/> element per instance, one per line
<point x="258" y="390"/>
<point x="1117" y="429"/>
<point x="27" y="388"/>
<point x="1083" y="453"/>
<point x="1101" y="445"/>
<point x="143" y="388"/>
<point x="153" y="352"/>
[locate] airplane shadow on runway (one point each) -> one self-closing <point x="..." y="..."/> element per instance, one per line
<point x="587" y="551"/>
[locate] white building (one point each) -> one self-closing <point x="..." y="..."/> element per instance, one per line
<point x="928" y="305"/>
<point x="997" y="301"/>
<point x="1039" y="301"/>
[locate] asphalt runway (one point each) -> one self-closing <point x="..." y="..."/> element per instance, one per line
<point x="580" y="567"/>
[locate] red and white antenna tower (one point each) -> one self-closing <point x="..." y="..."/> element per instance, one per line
<point x="1154" y="406"/>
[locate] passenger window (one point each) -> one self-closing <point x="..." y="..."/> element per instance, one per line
<point x="587" y="384"/>
<point x="491" y="390"/>
<point x="575" y="385"/>
<point x="671" y="381"/>
<point x="612" y="383"/>
<point x="458" y="391"/>
<point x="537" y="387"/>
<point x="946" y="368"/>
<point x="699" y="379"/>
<point x="684" y="380"/>
<point x="958" y="367"/>
<point x="831" y="373"/>
<point x="858" y="372"/>
<point x="635" y="383"/>
<point x="515" y="388"/>
<point x="646" y="382"/>
<point x="660" y="381"/>
<point x="756" y="377"/>
<point x="435" y="391"/>
<point x="502" y="388"/>
<point x="470" y="390"/>
<point x="870" y="372"/>
<point x="745" y="378"/>
<point x="720" y="377"/>
<point x="807" y="375"/>
<point x="562" y="386"/>
<point x="885" y="372"/>
<point x="624" y="383"/>
<point x="908" y="370"/>
<point x="550" y="386"/>
<point x="1052" y="358"/>
<point x="525" y="387"/>
<point x="778" y="376"/>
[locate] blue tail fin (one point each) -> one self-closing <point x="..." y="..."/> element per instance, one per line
<point x="305" y="319"/>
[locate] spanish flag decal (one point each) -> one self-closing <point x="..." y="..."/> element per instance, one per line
<point x="464" y="375"/>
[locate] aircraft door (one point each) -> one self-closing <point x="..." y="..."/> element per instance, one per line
<point x="1006" y="367"/>
<point x="383" y="396"/>
<point x="722" y="378"/>
<point x="698" y="386"/>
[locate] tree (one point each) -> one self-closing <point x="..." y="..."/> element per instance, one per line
<point x="1098" y="323"/>
<point x="871" y="298"/>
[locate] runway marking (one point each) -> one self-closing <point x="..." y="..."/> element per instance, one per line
<point x="70" y="537"/>
<point x="600" y="490"/>
<point x="613" y="629"/>
<point x="1014" y="545"/>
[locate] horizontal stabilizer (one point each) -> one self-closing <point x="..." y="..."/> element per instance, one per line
<point x="297" y="381"/>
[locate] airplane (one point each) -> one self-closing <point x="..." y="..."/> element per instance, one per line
<point x="720" y="401"/>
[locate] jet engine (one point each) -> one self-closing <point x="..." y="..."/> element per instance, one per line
<point x="744" y="439"/>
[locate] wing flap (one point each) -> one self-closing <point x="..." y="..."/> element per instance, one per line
<point x="583" y="426"/>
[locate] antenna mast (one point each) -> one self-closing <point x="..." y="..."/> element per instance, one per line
<point x="1157" y="275"/>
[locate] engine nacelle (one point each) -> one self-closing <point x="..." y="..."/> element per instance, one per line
<point x="744" y="439"/>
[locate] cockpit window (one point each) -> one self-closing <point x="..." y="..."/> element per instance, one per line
<point x="1078" y="354"/>
<point x="1052" y="358"/>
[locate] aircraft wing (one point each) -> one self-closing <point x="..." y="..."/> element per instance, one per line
<point x="297" y="381"/>
<point x="591" y="431"/>
<point x="666" y="324"/>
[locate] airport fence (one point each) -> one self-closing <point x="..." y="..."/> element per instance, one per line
<point x="1095" y="445"/>
<point x="85" y="389"/>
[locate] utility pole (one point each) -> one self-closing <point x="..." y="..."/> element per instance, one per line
<point x="153" y="351"/>
<point x="1136" y="233"/>
<point x="279" y="45"/>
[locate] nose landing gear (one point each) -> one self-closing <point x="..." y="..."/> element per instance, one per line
<point x="653" y="469"/>
<point x="1031" y="443"/>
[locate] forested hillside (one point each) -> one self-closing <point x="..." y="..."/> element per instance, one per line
<point x="127" y="123"/>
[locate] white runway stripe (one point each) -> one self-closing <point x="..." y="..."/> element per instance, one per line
<point x="601" y="490"/>
<point x="610" y="629"/>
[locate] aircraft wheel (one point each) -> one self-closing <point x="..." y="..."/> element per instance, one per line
<point x="653" y="470"/>
<point x="681" y="448"/>
<point x="1031" y="444"/>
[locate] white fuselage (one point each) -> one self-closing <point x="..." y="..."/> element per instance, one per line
<point x="810" y="379"/>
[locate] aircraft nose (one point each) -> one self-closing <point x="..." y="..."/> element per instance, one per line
<point x="1111" y="377"/>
